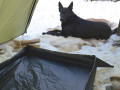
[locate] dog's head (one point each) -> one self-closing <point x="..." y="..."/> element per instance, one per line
<point x="65" y="12"/>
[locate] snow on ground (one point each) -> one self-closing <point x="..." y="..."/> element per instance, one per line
<point x="46" y="16"/>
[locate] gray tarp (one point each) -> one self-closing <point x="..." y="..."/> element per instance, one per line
<point x="39" y="69"/>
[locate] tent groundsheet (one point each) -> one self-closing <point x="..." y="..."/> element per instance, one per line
<point x="39" y="69"/>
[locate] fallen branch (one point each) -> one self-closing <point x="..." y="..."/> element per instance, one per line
<point x="25" y="42"/>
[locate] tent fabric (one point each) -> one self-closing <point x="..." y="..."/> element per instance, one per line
<point x="15" y="16"/>
<point x="39" y="69"/>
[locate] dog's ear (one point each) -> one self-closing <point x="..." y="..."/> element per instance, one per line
<point x="60" y="6"/>
<point x="70" y="6"/>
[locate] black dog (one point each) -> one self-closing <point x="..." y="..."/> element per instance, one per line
<point x="72" y="25"/>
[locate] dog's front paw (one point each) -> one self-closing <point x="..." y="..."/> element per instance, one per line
<point x="44" y="33"/>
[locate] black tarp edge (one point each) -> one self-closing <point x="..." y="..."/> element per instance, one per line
<point x="78" y="58"/>
<point x="46" y="54"/>
<point x="11" y="60"/>
<point x="88" y="59"/>
<point x="91" y="77"/>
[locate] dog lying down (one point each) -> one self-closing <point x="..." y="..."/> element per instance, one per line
<point x="72" y="25"/>
<point x="65" y="44"/>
